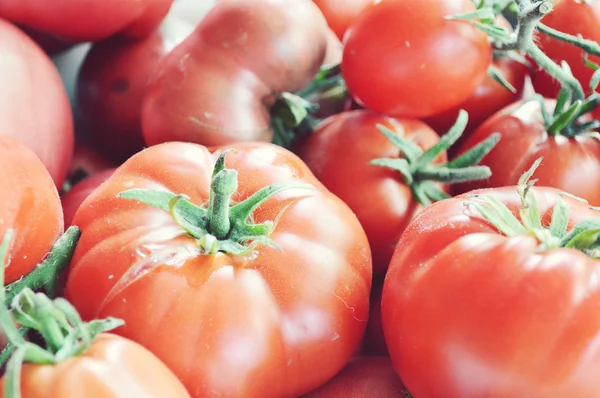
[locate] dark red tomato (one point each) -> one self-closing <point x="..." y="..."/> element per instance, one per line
<point x="217" y="86"/>
<point x="339" y="152"/>
<point x="33" y="103"/>
<point x="76" y="195"/>
<point x="340" y="14"/>
<point x="488" y="98"/>
<point x="363" y="377"/>
<point x="374" y="340"/>
<point x="112" y="83"/>
<point x="403" y="58"/>
<point x="570" y="164"/>
<point x="29" y="205"/>
<point x="573" y="17"/>
<point x="86" y="20"/>
<point x="50" y="44"/>
<point x="87" y="161"/>
<point x="470" y="313"/>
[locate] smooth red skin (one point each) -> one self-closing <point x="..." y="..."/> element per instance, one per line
<point x="488" y="98"/>
<point x="33" y="103"/>
<point x="374" y="339"/>
<point x="112" y="82"/>
<point x="276" y="323"/>
<point x="363" y="377"/>
<point x="570" y="164"/>
<point x="217" y="86"/>
<point x="341" y="14"/>
<point x="88" y="160"/>
<point x="76" y="195"/>
<point x="468" y="312"/>
<point x="30" y="206"/>
<point x="113" y="367"/>
<point x="403" y="58"/>
<point x="84" y="20"/>
<point x="339" y="153"/>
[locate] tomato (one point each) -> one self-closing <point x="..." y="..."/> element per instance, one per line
<point x="50" y="44"/>
<point x="488" y="98"/>
<point x="570" y="164"/>
<point x="250" y="320"/>
<point x="403" y="58"/>
<point x="30" y="206"/>
<point x="87" y="161"/>
<point x="77" y="194"/>
<point x="112" y="83"/>
<point x="471" y="312"/>
<point x="341" y="14"/>
<point x="363" y="377"/>
<point x="374" y="339"/>
<point x="33" y="103"/>
<point x="217" y="86"/>
<point x="84" y="20"/>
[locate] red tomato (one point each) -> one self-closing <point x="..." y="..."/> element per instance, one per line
<point x="50" y="44"/>
<point x="33" y="103"/>
<point x="76" y="195"/>
<point x="570" y="164"/>
<point x="338" y="153"/>
<point x="403" y="58"/>
<point x="112" y="367"/>
<point x="340" y="14"/>
<point x="488" y="98"/>
<point x="87" y="161"/>
<point x="363" y="377"/>
<point x="268" y="323"/>
<point x="374" y="340"/>
<point x="85" y="20"/>
<point x="216" y="87"/>
<point x="112" y="83"/>
<point x="30" y="206"/>
<point x="469" y="312"/>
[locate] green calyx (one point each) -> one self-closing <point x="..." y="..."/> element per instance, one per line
<point x="585" y="236"/>
<point x="64" y="333"/>
<point x="218" y="226"/>
<point x="422" y="175"/>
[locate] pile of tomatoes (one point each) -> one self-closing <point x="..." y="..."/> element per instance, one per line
<point x="288" y="198"/>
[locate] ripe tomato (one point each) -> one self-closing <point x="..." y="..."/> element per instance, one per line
<point x="87" y="161"/>
<point x="33" y="103"/>
<point x="403" y="58"/>
<point x="470" y="312"/>
<point x="340" y="15"/>
<point x="217" y="86"/>
<point x="77" y="194"/>
<point x="50" y="44"/>
<point x="30" y="206"/>
<point x="84" y="20"/>
<point x="570" y="164"/>
<point x="267" y="322"/>
<point x="112" y="83"/>
<point x="363" y="377"/>
<point x="374" y="339"/>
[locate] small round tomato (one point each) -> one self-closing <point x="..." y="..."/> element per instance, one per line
<point x="29" y="205"/>
<point x="77" y="194"/>
<point x="341" y="14"/>
<point x="404" y="58"/>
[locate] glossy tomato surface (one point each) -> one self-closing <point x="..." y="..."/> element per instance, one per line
<point x="113" y="367"/>
<point x="339" y="153"/>
<point x="341" y="14"/>
<point x="276" y="323"/>
<point x="34" y="107"/>
<point x="468" y="312"/>
<point x="30" y="206"/>
<point x="77" y="194"/>
<point x="404" y="58"/>
<point x="216" y="87"/>
<point x="570" y="164"/>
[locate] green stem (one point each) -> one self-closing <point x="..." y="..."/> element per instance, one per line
<point x="223" y="185"/>
<point x="589" y="46"/>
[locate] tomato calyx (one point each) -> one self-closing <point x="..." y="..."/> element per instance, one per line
<point x="422" y="176"/>
<point x="219" y="226"/>
<point x="64" y="333"/>
<point x="584" y="237"/>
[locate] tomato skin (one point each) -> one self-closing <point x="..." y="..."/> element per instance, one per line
<point x="87" y="160"/>
<point x="340" y="15"/>
<point x="392" y="61"/>
<point x="570" y="164"/>
<point x="30" y="206"/>
<point x="363" y="377"/>
<point x="216" y="87"/>
<point x="112" y="367"/>
<point x="301" y="312"/>
<point x="374" y="339"/>
<point x="339" y="151"/>
<point x="522" y="325"/>
<point x="81" y="21"/>
<point x="112" y="82"/>
<point x="31" y="86"/>
<point x="76" y="195"/>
